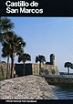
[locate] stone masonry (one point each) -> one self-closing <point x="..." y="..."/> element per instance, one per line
<point x="28" y="87"/>
<point x="3" y="70"/>
<point x="45" y="69"/>
<point x="33" y="69"/>
<point x="30" y="69"/>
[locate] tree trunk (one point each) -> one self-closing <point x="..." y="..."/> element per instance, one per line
<point x="68" y="70"/>
<point x="12" y="66"/>
<point x="40" y="68"/>
<point x="7" y="67"/>
<point x="24" y="69"/>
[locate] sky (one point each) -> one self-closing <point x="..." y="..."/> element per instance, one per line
<point x="45" y="36"/>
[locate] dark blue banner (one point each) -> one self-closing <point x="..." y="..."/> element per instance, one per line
<point x="36" y="7"/>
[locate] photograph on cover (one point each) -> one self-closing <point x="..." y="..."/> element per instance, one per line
<point x="36" y="58"/>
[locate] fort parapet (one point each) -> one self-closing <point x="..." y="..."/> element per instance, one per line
<point x="34" y="69"/>
<point x="49" y="68"/>
<point x="30" y="69"/>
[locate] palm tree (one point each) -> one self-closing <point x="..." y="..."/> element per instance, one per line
<point x="15" y="44"/>
<point x="24" y="57"/>
<point x="68" y="65"/>
<point x="40" y="59"/>
<point x="5" y="26"/>
<point x="6" y="53"/>
<point x="71" y="66"/>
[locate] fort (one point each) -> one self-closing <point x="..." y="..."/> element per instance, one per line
<point x="49" y="68"/>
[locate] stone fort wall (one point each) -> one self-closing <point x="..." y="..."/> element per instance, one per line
<point x="45" y="69"/>
<point x="3" y="70"/>
<point x="30" y="69"/>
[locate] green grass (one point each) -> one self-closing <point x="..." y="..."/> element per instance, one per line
<point x="2" y="79"/>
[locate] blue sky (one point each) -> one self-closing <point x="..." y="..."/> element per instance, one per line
<point x="46" y="35"/>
